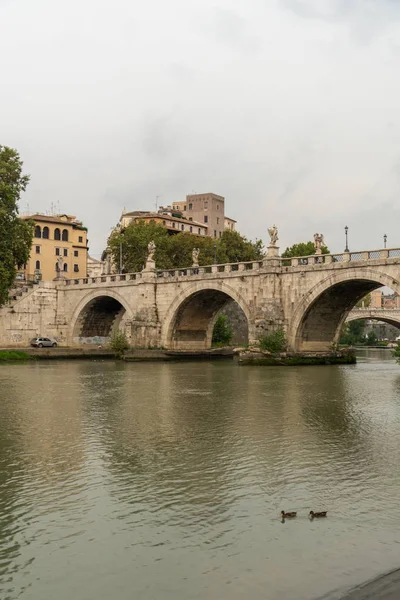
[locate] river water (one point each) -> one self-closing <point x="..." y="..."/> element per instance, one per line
<point x="166" y="480"/>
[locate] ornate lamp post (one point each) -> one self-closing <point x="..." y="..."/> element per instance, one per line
<point x="215" y="253"/>
<point x="346" y="229"/>
<point x="384" y="240"/>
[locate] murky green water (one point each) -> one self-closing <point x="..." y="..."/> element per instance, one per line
<point x="165" y="481"/>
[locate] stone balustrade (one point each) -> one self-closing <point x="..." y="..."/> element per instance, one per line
<point x="312" y="261"/>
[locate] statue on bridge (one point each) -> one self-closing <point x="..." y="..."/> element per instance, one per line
<point x="318" y="242"/>
<point x="273" y="234"/>
<point x="195" y="257"/>
<point x="151" y="250"/>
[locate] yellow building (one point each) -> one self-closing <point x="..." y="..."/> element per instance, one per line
<point x="59" y="246"/>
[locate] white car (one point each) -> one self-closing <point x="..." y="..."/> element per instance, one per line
<point x="41" y="342"/>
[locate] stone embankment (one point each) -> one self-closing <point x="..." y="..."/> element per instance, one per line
<point x="258" y="357"/>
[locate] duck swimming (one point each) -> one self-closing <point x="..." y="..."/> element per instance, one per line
<point x="288" y="515"/>
<point x="317" y="515"/>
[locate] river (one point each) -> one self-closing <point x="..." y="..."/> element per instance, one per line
<point x="166" y="480"/>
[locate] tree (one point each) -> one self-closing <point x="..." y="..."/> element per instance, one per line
<point x="119" y="343"/>
<point x="302" y="249"/>
<point x="372" y="338"/>
<point x="353" y="333"/>
<point x="237" y="248"/>
<point x="396" y="353"/>
<point x="175" y="251"/>
<point x="274" y="342"/>
<point x="222" y="333"/>
<point x="134" y="240"/>
<point x="15" y="233"/>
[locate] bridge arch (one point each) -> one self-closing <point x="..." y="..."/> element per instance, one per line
<point x="374" y="316"/>
<point x="97" y="315"/>
<point x="189" y="321"/>
<point x="319" y="316"/>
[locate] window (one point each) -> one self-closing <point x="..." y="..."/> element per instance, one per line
<point x="199" y="230"/>
<point x="205" y="204"/>
<point x="191" y="229"/>
<point x="76" y="268"/>
<point x="190" y="218"/>
<point x="80" y="239"/>
<point x="57" y="234"/>
<point x="205" y="218"/>
<point x="184" y="208"/>
<point x="217" y="220"/>
<point x="217" y="206"/>
<point x="220" y="234"/>
<point x="45" y="234"/>
<point x="57" y="251"/>
<point x="37" y="249"/>
<point x="38" y="231"/>
<point x="173" y="224"/>
<point x="190" y="206"/>
<point x="65" y="235"/>
<point x="215" y="233"/>
<point x="76" y="253"/>
<point x="37" y="265"/>
<point x="65" y="251"/>
<point x="163" y="223"/>
<point x="182" y="227"/>
<point x="65" y="268"/>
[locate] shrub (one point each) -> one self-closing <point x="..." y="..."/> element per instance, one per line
<point x="274" y="342"/>
<point x="222" y="333"/>
<point x="119" y="343"/>
<point x="396" y="353"/>
<point x="11" y="355"/>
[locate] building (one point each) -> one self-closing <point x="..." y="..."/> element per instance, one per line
<point x="59" y="243"/>
<point x="174" y="222"/>
<point x="208" y="209"/>
<point x="386" y="301"/>
<point x="95" y="268"/>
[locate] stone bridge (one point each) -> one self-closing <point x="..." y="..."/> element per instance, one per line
<point x="387" y="315"/>
<point x="309" y="297"/>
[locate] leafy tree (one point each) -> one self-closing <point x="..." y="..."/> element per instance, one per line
<point x="364" y="302"/>
<point x="372" y="339"/>
<point x="237" y="248"/>
<point x="274" y="342"/>
<point x="396" y="353"/>
<point x="175" y="251"/>
<point x="222" y="334"/>
<point x="134" y="240"/>
<point x="353" y="333"/>
<point x="302" y="249"/>
<point x="15" y="233"/>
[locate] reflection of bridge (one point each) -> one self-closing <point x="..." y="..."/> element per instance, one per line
<point x="310" y="297"/>
<point x="387" y="315"/>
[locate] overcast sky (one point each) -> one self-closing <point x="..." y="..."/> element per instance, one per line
<point x="288" y="108"/>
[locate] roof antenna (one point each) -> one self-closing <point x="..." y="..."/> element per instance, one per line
<point x="157" y="197"/>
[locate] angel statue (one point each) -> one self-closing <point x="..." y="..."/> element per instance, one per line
<point x="151" y="249"/>
<point x="195" y="257"/>
<point x="273" y="234"/>
<point x="318" y="242"/>
<point x="59" y="265"/>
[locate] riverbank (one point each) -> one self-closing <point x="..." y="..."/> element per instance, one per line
<point x="385" y="587"/>
<point x="291" y="359"/>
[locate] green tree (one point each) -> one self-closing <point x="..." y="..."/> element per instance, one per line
<point x="302" y="249"/>
<point x="234" y="247"/>
<point x="134" y="240"/>
<point x="175" y="251"/>
<point x="15" y="233"/>
<point x="396" y="353"/>
<point x="353" y="333"/>
<point x="222" y="333"/>
<point x="372" y="339"/>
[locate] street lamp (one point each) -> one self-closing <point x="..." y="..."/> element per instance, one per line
<point x="384" y="240"/>
<point x="346" y="229"/>
<point x="215" y="253"/>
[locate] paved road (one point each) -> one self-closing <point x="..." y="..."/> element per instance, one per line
<point x="386" y="587"/>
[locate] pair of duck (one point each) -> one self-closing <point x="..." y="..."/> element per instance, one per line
<point x="312" y="514"/>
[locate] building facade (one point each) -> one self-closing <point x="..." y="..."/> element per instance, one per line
<point x="173" y="222"/>
<point x="59" y="247"/>
<point x="208" y="209"/>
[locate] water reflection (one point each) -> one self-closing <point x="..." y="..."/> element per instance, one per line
<point x="167" y="480"/>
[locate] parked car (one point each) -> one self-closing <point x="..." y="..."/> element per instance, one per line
<point x="41" y="342"/>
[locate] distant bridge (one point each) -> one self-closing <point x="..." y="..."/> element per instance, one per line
<point x="387" y="315"/>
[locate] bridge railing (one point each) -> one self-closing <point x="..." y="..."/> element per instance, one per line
<point x="302" y="261"/>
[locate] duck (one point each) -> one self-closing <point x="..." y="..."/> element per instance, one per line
<point x="317" y="515"/>
<point x="288" y="515"/>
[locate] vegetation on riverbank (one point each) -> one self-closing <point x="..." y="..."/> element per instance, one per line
<point x="119" y="344"/>
<point x="396" y="353"/>
<point x="222" y="333"/>
<point x="13" y="355"/>
<point x="346" y="358"/>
